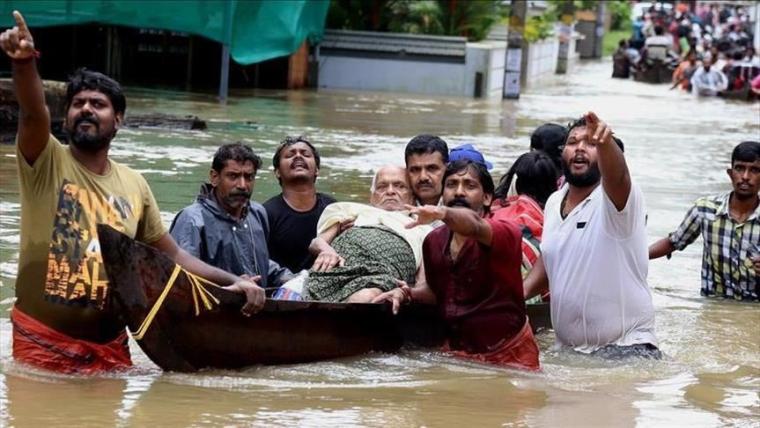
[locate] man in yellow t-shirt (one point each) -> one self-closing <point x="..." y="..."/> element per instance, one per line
<point x="61" y="320"/>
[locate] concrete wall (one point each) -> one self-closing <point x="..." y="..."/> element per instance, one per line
<point x="379" y="74"/>
<point x="539" y="60"/>
<point x="346" y="71"/>
<point x="479" y="73"/>
<point x="486" y="58"/>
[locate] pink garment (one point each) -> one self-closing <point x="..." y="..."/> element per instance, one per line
<point x="756" y="83"/>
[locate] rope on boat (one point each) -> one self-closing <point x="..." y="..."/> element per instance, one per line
<point x="198" y="290"/>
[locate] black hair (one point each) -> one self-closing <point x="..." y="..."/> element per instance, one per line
<point x="658" y="30"/>
<point x="237" y="152"/>
<point x="424" y="144"/>
<point x="622" y="43"/>
<point x="483" y="175"/>
<point x="84" y="79"/>
<point x="289" y="141"/>
<point x="747" y="151"/>
<point x="577" y="123"/>
<point x="549" y="138"/>
<point x="536" y="177"/>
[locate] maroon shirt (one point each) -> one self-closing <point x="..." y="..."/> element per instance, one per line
<point x="480" y="295"/>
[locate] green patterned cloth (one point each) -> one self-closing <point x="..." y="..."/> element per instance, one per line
<point x="375" y="258"/>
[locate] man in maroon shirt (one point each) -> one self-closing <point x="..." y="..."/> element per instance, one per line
<point x="472" y="266"/>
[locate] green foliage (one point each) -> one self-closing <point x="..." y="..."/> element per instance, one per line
<point x="416" y="17"/>
<point x="469" y="18"/>
<point x="620" y="11"/>
<point x="540" y="27"/>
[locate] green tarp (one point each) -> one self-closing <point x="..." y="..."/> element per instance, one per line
<point x="256" y="30"/>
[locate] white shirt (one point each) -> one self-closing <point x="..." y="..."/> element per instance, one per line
<point x="597" y="262"/>
<point x="708" y="83"/>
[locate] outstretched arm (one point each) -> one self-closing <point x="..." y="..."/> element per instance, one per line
<point x="616" y="180"/>
<point x="34" y="118"/>
<point x="463" y="221"/>
<point x="663" y="247"/>
<point x="255" y="296"/>
<point x="537" y="281"/>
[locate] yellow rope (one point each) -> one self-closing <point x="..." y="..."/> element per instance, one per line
<point x="197" y="288"/>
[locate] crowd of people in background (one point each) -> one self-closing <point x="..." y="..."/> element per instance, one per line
<point x="710" y="48"/>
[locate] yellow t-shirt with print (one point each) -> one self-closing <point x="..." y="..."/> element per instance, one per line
<point x="61" y="204"/>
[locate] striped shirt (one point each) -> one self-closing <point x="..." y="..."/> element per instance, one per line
<point x="727" y="270"/>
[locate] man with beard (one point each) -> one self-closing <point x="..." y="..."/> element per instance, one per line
<point x="223" y="227"/>
<point x="293" y="214"/>
<point x="472" y="266"/>
<point x="62" y="319"/>
<point x="594" y="251"/>
<point x="426" y="157"/>
<point x="730" y="228"/>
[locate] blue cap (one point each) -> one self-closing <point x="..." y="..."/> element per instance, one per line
<point x="468" y="152"/>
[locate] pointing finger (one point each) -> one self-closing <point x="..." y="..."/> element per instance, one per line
<point x="20" y="23"/>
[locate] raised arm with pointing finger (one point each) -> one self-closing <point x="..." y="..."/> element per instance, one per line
<point x="34" y="118"/>
<point x="62" y="318"/>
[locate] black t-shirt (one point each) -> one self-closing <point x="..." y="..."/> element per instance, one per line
<point x="291" y="231"/>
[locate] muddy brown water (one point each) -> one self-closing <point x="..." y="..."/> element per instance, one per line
<point x="677" y="148"/>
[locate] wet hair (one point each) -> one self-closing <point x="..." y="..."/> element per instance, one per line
<point x="536" y="177"/>
<point x="480" y="170"/>
<point x="747" y="151"/>
<point x="425" y="144"/>
<point x="549" y="138"/>
<point x="237" y="152"/>
<point x="658" y="30"/>
<point x="581" y="122"/>
<point x="289" y="141"/>
<point x="84" y="80"/>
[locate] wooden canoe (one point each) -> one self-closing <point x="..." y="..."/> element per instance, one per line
<point x="657" y="72"/>
<point x="283" y="332"/>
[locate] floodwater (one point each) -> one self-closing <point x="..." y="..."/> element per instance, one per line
<point x="677" y="149"/>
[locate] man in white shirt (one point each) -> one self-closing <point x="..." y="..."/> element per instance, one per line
<point x="659" y="45"/>
<point x="594" y="250"/>
<point x="709" y="80"/>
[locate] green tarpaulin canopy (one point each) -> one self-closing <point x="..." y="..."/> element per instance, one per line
<point x="255" y="30"/>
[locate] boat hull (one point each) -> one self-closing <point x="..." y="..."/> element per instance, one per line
<point x="282" y="332"/>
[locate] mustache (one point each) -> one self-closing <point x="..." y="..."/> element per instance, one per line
<point x="239" y="194"/>
<point x="86" y="119"/>
<point x="458" y="202"/>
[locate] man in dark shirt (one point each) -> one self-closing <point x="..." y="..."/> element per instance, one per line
<point x="472" y="265"/>
<point x="293" y="214"/>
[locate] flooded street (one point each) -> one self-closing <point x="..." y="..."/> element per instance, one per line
<point x="677" y="148"/>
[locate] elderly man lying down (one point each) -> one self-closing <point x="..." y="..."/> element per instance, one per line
<point x="362" y="250"/>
